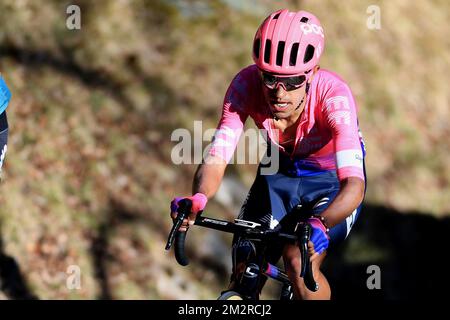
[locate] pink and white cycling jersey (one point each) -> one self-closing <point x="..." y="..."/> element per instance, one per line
<point x="327" y="138"/>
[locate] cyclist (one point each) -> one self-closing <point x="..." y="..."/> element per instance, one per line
<point x="310" y="115"/>
<point x="5" y="97"/>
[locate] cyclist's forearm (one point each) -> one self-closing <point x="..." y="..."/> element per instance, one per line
<point x="207" y="178"/>
<point x="348" y="199"/>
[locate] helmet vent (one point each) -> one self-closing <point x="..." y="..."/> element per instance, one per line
<point x="309" y="53"/>
<point x="280" y="52"/>
<point x="276" y="16"/>
<point x="294" y="53"/>
<point x="267" y="51"/>
<point x="256" y="48"/>
<point x="304" y="19"/>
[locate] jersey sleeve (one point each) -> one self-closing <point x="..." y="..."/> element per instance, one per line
<point x="233" y="118"/>
<point x="340" y="114"/>
<point x="5" y="95"/>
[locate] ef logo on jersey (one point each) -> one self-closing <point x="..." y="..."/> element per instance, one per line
<point x="338" y="107"/>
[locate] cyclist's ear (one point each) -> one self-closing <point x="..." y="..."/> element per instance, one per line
<point x="315" y="69"/>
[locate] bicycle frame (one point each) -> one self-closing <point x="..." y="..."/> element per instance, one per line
<point x="251" y="231"/>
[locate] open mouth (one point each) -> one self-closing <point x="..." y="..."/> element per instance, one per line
<point x="279" y="105"/>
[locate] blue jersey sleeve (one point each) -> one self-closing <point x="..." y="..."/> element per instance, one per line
<point x="5" y="95"/>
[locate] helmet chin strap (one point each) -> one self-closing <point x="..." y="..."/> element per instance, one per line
<point x="300" y="102"/>
<point x="306" y="93"/>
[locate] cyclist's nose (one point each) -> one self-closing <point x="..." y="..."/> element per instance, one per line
<point x="280" y="90"/>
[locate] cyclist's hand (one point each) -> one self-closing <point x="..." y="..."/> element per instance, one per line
<point x="199" y="201"/>
<point x="320" y="239"/>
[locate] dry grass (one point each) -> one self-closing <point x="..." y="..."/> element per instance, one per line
<point x="92" y="113"/>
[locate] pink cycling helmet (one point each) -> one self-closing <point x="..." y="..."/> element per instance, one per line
<point x="288" y="42"/>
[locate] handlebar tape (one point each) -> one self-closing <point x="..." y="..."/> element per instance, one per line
<point x="180" y="254"/>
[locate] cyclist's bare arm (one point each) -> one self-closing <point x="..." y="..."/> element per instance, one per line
<point x="348" y="199"/>
<point x="208" y="176"/>
<point x="207" y="180"/>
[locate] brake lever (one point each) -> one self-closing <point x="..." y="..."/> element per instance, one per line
<point x="306" y="272"/>
<point x="183" y="210"/>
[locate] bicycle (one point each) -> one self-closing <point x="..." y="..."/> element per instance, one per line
<point x="251" y="231"/>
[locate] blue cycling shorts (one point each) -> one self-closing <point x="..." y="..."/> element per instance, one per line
<point x="5" y="95"/>
<point x="272" y="198"/>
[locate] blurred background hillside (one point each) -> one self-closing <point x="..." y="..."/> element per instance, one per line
<point x="88" y="176"/>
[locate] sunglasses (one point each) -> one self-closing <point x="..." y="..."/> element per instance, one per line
<point x="288" y="83"/>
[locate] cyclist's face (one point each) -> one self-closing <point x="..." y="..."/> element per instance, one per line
<point x="282" y="102"/>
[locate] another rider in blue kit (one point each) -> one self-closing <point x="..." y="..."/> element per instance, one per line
<point x="5" y="97"/>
